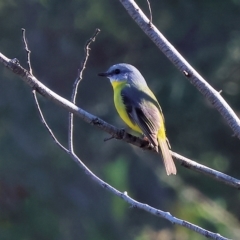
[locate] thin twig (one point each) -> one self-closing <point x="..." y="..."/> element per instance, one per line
<point x="45" y="123"/>
<point x="83" y="65"/>
<point x="150" y="12"/>
<point x="27" y="50"/>
<point x="35" y="96"/>
<point x="75" y="88"/>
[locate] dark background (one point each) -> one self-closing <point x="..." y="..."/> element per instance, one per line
<point x="43" y="194"/>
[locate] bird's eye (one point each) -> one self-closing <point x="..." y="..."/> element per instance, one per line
<point x="117" y="71"/>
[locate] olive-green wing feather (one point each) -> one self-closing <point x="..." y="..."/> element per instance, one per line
<point x="143" y="110"/>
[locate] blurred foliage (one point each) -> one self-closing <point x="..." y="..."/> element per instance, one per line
<point x="43" y="194"/>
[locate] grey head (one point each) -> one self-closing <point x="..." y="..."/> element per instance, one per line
<point x="123" y="72"/>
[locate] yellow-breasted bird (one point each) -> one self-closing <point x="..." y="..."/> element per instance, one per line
<point x="139" y="108"/>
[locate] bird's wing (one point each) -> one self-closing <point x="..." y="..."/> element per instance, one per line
<point x="143" y="110"/>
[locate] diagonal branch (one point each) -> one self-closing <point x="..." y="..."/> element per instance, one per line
<point x="183" y="66"/>
<point x="46" y="125"/>
<point x="219" y="176"/>
<point x="15" y="67"/>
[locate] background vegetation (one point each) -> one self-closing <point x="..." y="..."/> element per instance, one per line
<point x="43" y="194"/>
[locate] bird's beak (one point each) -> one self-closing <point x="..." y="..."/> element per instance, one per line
<point x="103" y="74"/>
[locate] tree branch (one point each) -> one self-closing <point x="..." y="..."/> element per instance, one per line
<point x="120" y="134"/>
<point x="45" y="123"/>
<point x="183" y="66"/>
<point x="219" y="176"/>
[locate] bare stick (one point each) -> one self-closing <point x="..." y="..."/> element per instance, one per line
<point x="75" y="88"/>
<point x="83" y="65"/>
<point x="46" y="125"/>
<point x="27" y="50"/>
<point x="184" y="67"/>
<point x="221" y="177"/>
<point x="14" y="66"/>
<point x="35" y="96"/>
<point x="150" y="11"/>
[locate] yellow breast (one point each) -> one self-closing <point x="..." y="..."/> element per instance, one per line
<point x="121" y="109"/>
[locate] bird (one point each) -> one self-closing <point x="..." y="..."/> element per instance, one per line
<point x="139" y="109"/>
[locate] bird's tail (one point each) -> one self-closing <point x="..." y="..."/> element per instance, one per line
<point x="167" y="157"/>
